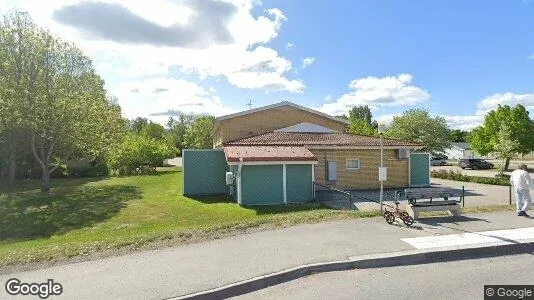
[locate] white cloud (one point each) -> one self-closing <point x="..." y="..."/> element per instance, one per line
<point x="509" y="98"/>
<point x="164" y="95"/>
<point x="386" y="119"/>
<point x="289" y="46"/>
<point x="530" y="57"/>
<point x="245" y="62"/>
<point x="468" y="122"/>
<point x="379" y="92"/>
<point x="328" y="98"/>
<point x="464" y="122"/>
<point x="308" y="61"/>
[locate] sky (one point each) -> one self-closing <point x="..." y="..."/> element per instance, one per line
<point x="457" y="59"/>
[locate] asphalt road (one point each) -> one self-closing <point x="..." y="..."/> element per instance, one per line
<point x="176" y="271"/>
<point x="452" y="280"/>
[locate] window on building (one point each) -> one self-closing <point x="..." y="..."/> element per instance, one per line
<point x="353" y="164"/>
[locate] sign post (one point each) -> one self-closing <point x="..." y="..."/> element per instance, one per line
<point x="382" y="171"/>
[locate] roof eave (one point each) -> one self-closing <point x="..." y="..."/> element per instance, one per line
<point x="246" y="112"/>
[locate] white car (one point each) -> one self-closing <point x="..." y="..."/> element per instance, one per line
<point x="437" y="161"/>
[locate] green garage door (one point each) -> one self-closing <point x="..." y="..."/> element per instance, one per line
<point x="204" y="172"/>
<point x="299" y="183"/>
<point x="419" y="169"/>
<point x="262" y="184"/>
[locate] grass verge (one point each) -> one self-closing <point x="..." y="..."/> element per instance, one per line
<point x="97" y="216"/>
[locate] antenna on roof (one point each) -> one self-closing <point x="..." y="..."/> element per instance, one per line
<point x="249" y="103"/>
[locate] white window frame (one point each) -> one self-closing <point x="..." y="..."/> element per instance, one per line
<point x="351" y="159"/>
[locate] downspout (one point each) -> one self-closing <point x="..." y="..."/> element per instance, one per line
<point x="239" y="201"/>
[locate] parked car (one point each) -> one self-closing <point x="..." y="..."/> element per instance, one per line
<point x="437" y="161"/>
<point x="475" y="164"/>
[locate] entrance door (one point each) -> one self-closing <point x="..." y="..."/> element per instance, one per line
<point x="419" y="169"/>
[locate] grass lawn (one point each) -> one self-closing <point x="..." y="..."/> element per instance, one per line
<point x="105" y="216"/>
<point x="94" y="215"/>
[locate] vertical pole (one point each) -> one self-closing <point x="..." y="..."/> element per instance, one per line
<point x="463" y="196"/>
<point x="381" y="166"/>
<point x="509" y="194"/>
<point x="313" y="181"/>
<point x="284" y="182"/>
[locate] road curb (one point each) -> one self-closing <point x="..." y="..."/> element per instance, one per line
<point x="383" y="260"/>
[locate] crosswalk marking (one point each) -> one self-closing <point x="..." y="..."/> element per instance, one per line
<point x="471" y="238"/>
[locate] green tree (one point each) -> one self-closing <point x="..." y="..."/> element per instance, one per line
<point x="138" y="154"/>
<point x="52" y="100"/>
<point x="488" y="137"/>
<point x="361" y="121"/>
<point x="417" y="125"/>
<point x="459" y="136"/>
<point x="506" y="145"/>
<point x="153" y="130"/>
<point x="176" y="129"/>
<point x="200" y="134"/>
<point x="19" y="48"/>
<point x="137" y="124"/>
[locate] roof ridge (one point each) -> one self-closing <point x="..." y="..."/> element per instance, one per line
<point x="278" y="104"/>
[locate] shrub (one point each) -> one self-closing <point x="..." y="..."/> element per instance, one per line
<point x="88" y="168"/>
<point x="138" y="154"/>
<point x="457" y="176"/>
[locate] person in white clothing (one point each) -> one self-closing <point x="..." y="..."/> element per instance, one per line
<point x="521" y="182"/>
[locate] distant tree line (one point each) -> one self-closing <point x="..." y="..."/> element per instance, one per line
<point x="506" y="131"/>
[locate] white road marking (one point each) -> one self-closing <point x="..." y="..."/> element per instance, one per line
<point x="507" y="236"/>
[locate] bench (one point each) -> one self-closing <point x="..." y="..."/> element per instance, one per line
<point x="432" y="199"/>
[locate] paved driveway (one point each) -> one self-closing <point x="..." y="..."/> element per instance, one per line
<point x="477" y="194"/>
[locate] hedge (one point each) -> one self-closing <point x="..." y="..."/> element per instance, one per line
<point x="452" y="175"/>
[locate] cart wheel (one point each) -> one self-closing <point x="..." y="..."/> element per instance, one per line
<point x="408" y="220"/>
<point x="390" y="218"/>
<point x="403" y="214"/>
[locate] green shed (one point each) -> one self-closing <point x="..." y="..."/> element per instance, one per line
<point x="262" y="175"/>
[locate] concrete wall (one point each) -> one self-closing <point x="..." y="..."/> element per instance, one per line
<point x="367" y="176"/>
<point x="268" y="120"/>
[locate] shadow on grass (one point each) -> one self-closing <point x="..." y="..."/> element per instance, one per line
<point x="286" y="208"/>
<point x="262" y="209"/>
<point x="26" y="185"/>
<point x="33" y="214"/>
<point x="211" y="199"/>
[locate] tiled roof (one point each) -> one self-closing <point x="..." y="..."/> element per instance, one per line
<point x="275" y="138"/>
<point x="266" y="153"/>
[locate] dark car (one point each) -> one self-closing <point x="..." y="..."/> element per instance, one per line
<point x="475" y="164"/>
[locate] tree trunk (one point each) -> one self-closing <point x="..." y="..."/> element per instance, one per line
<point x="506" y="164"/>
<point x="45" y="179"/>
<point x="11" y="158"/>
